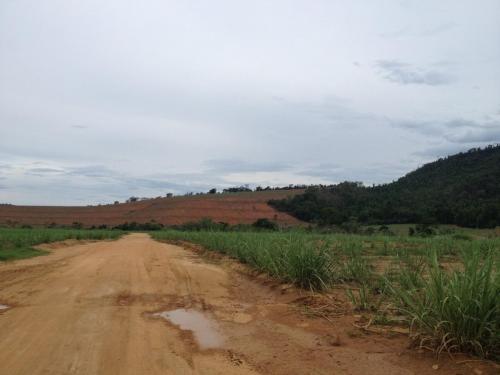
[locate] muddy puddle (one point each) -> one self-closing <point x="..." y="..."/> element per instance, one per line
<point x="205" y="330"/>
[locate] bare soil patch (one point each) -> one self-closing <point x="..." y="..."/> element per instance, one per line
<point x="232" y="208"/>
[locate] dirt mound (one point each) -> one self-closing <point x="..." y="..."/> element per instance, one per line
<point x="232" y="208"/>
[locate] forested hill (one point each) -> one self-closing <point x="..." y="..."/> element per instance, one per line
<point x="462" y="189"/>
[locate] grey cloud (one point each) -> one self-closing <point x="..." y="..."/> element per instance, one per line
<point x="138" y="184"/>
<point x="476" y="135"/>
<point x="455" y="130"/>
<point x="92" y="171"/>
<point x="41" y="171"/>
<point x="463" y="123"/>
<point x="423" y="127"/>
<point x="222" y="166"/>
<point x="372" y="173"/>
<point x="45" y="170"/>
<point x="440" y="150"/>
<point x="406" y="74"/>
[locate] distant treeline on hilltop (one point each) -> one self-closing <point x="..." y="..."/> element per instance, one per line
<point x="235" y="189"/>
<point x="462" y="189"/>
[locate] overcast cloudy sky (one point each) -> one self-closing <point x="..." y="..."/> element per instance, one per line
<point x="101" y="100"/>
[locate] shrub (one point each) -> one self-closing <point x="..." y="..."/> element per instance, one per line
<point x="264" y="223"/>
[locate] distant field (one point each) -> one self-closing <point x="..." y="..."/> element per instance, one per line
<point x="18" y="243"/>
<point x="446" y="287"/>
<point x="232" y="208"/>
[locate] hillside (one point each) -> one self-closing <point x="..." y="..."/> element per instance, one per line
<point x="232" y="208"/>
<point x="462" y="189"/>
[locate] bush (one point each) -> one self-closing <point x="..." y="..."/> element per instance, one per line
<point x="136" y="226"/>
<point x="422" y="230"/>
<point x="264" y="223"/>
<point x="202" y="224"/>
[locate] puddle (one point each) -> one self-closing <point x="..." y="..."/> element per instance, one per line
<point x="205" y="330"/>
<point x="4" y="307"/>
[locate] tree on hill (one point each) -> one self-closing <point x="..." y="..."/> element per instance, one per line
<point x="462" y="189"/>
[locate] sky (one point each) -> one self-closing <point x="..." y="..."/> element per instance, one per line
<point x="103" y="100"/>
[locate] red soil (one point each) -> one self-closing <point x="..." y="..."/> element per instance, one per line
<point x="232" y="208"/>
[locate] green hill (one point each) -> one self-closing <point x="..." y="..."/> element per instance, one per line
<point x="462" y="189"/>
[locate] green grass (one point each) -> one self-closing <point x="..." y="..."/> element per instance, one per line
<point x="291" y="257"/>
<point x="448" y="286"/>
<point x="454" y="310"/>
<point x="16" y="243"/>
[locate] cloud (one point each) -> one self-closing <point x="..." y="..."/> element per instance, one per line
<point x="457" y="130"/>
<point x="457" y="135"/>
<point x="489" y="136"/>
<point x="94" y="171"/>
<point x="44" y="170"/>
<point x="440" y="150"/>
<point x="223" y="166"/>
<point x="406" y="74"/>
<point x="371" y="173"/>
<point x="428" y="128"/>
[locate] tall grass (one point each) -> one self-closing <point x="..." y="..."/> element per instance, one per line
<point x="17" y="243"/>
<point x="449" y="309"/>
<point x="454" y="310"/>
<point x="292" y="257"/>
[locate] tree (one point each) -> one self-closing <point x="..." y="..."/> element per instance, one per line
<point x="461" y="189"/>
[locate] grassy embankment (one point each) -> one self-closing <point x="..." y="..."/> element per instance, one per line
<point x="16" y="243"/>
<point x="447" y="286"/>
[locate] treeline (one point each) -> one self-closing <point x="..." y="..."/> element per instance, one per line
<point x="204" y="224"/>
<point x="462" y="189"/>
<point x="234" y="189"/>
<point x="207" y="224"/>
<point x="248" y="189"/>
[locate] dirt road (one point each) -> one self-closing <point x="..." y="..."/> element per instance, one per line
<point x="95" y="309"/>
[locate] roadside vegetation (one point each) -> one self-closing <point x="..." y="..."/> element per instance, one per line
<point x="17" y="243"/>
<point x="446" y="288"/>
<point x="442" y="282"/>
